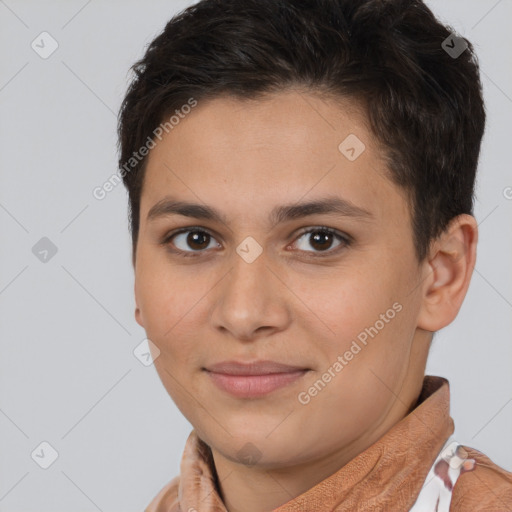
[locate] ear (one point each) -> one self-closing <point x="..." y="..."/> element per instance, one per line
<point x="138" y="317"/>
<point x="447" y="273"/>
<point x="138" y="313"/>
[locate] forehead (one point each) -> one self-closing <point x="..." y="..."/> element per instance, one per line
<point x="253" y="155"/>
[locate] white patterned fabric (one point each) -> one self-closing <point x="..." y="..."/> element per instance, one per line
<point x="436" y="493"/>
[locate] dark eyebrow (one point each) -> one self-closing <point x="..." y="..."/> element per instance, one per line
<point x="328" y="205"/>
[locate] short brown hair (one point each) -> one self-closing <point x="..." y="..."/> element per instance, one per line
<point x="424" y="104"/>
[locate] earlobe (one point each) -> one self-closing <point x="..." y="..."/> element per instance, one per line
<point x="138" y="313"/>
<point x="448" y="273"/>
<point x="138" y="317"/>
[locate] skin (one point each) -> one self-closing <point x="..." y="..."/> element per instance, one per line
<point x="244" y="158"/>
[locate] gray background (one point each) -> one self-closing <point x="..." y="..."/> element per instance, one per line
<point x="68" y="375"/>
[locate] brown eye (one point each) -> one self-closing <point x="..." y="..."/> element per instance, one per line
<point x="195" y="241"/>
<point x="321" y="240"/>
<point x="191" y="240"/>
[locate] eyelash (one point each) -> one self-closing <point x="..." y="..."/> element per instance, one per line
<point x="345" y="239"/>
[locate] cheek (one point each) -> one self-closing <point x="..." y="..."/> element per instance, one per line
<point x="163" y="297"/>
<point x="369" y="320"/>
<point x="349" y="304"/>
<point x="172" y="307"/>
<point x="166" y="299"/>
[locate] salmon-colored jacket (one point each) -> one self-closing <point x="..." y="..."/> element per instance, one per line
<point x="414" y="467"/>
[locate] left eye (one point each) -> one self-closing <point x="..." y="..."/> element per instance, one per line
<point x="320" y="239"/>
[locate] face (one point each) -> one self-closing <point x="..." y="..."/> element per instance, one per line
<point x="255" y="276"/>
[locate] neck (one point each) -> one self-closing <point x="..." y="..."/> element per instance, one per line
<point x="260" y="489"/>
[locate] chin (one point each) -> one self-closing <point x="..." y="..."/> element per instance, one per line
<point x="256" y="447"/>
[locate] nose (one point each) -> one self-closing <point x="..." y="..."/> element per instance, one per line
<point x="251" y="301"/>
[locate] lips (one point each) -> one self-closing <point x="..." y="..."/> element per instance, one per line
<point x="252" y="380"/>
<point x="255" y="368"/>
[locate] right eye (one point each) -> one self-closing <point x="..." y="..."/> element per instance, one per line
<point x="190" y="238"/>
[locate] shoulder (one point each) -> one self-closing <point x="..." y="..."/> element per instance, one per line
<point x="487" y="488"/>
<point x="167" y="499"/>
